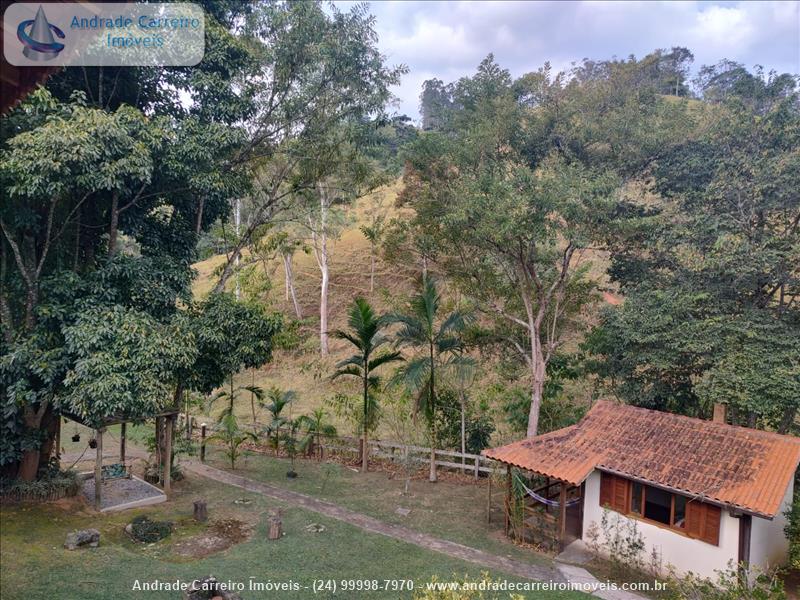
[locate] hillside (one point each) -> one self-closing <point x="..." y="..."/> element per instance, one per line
<point x="302" y="369"/>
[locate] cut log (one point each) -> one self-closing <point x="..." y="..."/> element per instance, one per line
<point x="275" y="525"/>
<point x="200" y="511"/>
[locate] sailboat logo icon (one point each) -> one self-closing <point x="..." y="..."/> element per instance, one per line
<point x="37" y="37"/>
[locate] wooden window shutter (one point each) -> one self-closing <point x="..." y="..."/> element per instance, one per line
<point x="606" y="489"/>
<point x="614" y="492"/>
<point x="620" y="499"/>
<point x="703" y="521"/>
<point x="711" y="523"/>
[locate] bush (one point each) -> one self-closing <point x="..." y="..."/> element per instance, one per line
<point x="729" y="585"/>
<point x="147" y="531"/>
<point x="51" y="485"/>
<point x="478" y="424"/>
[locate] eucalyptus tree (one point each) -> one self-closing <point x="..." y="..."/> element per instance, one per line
<point x="437" y="342"/>
<point x="367" y="336"/>
<point x="319" y="68"/>
<point x="513" y="237"/>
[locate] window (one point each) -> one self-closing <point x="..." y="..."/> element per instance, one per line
<point x="657" y="505"/>
<point x="679" y="518"/>
<point x="691" y="517"/>
<point x="637" y="490"/>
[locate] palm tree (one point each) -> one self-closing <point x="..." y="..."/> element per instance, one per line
<point x="438" y="348"/>
<point x="315" y="426"/>
<point x="228" y="430"/>
<point x="277" y="400"/>
<point x="367" y="337"/>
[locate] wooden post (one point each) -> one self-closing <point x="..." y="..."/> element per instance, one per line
<point x="98" y="469"/>
<point x="58" y="440"/>
<point x="562" y="516"/>
<point x="169" y="429"/>
<point x="122" y="428"/>
<point x="202" y="442"/>
<point x="508" y="497"/>
<point x="200" y="511"/>
<point x="477" y="466"/>
<point x="275" y="531"/>
<point x="489" y="501"/>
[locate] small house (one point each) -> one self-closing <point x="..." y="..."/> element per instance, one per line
<point x="702" y="494"/>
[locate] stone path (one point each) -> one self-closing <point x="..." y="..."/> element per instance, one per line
<point x="561" y="573"/>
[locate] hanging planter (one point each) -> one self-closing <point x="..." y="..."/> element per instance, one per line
<point x="76" y="437"/>
<point x="93" y="443"/>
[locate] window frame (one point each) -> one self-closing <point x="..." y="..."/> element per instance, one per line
<point x="613" y="481"/>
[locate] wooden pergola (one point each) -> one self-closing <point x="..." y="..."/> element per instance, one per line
<point x="553" y="519"/>
<point x="165" y="432"/>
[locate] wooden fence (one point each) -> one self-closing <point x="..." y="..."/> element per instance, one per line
<point x="396" y="452"/>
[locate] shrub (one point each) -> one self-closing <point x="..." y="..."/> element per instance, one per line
<point x="145" y="530"/>
<point x="729" y="585"/>
<point x="51" y="485"/>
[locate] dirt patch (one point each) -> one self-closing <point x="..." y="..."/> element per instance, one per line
<point x="220" y="535"/>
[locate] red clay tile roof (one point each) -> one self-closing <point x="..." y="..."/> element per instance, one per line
<point x="736" y="466"/>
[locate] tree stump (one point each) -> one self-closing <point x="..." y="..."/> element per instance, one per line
<point x="275" y="524"/>
<point x="200" y="511"/>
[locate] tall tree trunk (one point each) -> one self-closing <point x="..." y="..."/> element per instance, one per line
<point x="372" y="270"/>
<point x="29" y="465"/>
<point x="114" y="225"/>
<point x="364" y="447"/>
<point x="463" y="431"/>
<point x="321" y="253"/>
<point x="432" y="475"/>
<point x="290" y="291"/>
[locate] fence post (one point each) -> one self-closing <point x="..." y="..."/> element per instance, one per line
<point x="477" y="466"/>
<point x="202" y="442"/>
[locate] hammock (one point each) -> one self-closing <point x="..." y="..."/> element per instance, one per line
<point x="542" y="499"/>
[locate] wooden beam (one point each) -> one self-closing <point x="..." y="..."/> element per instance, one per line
<point x="122" y="443"/>
<point x="508" y="498"/>
<point x="562" y="515"/>
<point x="98" y="469"/>
<point x="169" y="430"/>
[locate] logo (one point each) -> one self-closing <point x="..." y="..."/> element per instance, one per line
<point x="37" y="37"/>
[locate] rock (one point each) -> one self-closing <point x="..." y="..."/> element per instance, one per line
<point x="207" y="588"/>
<point x="81" y="538"/>
<point x="403" y="512"/>
<point x="200" y="511"/>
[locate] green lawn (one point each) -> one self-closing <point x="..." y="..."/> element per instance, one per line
<point x="33" y="564"/>
<point x="453" y="511"/>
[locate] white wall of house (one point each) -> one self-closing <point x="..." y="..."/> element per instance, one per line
<point x="768" y="543"/>
<point x="684" y="554"/>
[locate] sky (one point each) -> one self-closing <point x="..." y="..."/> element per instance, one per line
<point x="448" y="39"/>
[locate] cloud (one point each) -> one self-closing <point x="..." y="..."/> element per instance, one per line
<point x="448" y="39"/>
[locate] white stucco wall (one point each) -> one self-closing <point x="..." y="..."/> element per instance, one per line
<point x="768" y="543"/>
<point x="683" y="553"/>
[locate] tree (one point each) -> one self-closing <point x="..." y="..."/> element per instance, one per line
<point x="317" y="70"/>
<point x="277" y="400"/>
<point x="315" y="426"/>
<point x="437" y="343"/>
<point x="373" y="232"/>
<point x="367" y="337"/>
<point x="111" y="176"/>
<point x="710" y="271"/>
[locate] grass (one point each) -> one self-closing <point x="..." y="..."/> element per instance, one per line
<point x="450" y="510"/>
<point x="34" y="566"/>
